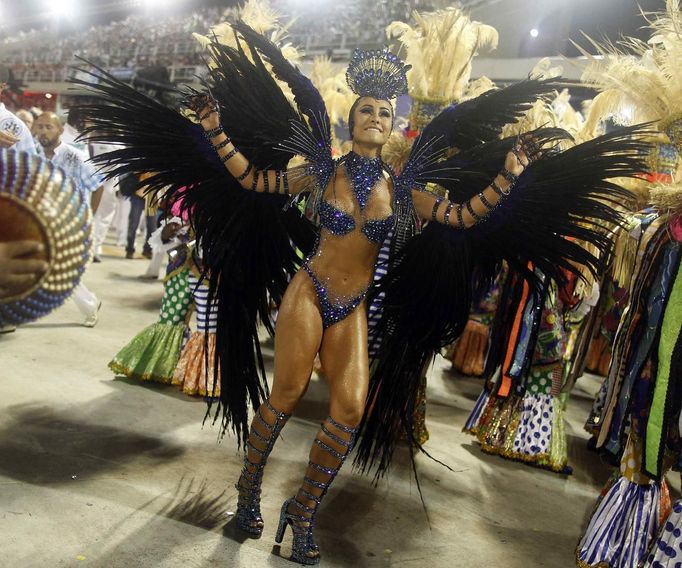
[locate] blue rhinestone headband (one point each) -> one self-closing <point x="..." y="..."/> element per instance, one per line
<point x="378" y="74"/>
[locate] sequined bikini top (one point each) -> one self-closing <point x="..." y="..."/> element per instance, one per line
<point x="364" y="174"/>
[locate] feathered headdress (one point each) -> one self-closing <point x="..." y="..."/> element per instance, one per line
<point x="378" y="74"/>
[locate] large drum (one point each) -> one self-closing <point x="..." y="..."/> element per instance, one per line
<point x="38" y="202"/>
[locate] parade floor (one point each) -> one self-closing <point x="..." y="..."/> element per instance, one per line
<point x="99" y="471"/>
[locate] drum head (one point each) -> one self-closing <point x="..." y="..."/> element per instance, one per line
<point x="19" y="223"/>
<point x="39" y="202"/>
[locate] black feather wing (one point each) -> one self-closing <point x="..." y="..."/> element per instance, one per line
<point x="245" y="238"/>
<point x="307" y="98"/>
<point x="428" y="290"/>
<point x="467" y="125"/>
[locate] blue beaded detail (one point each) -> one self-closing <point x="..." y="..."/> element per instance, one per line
<point x="64" y="212"/>
<point x="332" y="312"/>
<point x="376" y="230"/>
<point x="337" y="222"/>
<point x="364" y="173"/>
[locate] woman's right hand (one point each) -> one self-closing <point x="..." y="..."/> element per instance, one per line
<point x="206" y="109"/>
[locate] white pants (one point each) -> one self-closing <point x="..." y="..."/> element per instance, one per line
<point x="103" y="218"/>
<point x="155" y="264"/>
<point x="85" y="300"/>
<point x="121" y="220"/>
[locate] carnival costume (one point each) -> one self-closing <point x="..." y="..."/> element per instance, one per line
<point x="194" y="373"/>
<point x="250" y="238"/>
<point x="635" y="417"/>
<point x="153" y="353"/>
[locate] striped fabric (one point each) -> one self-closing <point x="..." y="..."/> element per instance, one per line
<point x="477" y="412"/>
<point x="374" y="311"/>
<point x="207" y="316"/>
<point x="622" y="527"/>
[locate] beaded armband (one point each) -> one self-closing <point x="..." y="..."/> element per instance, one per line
<point x="510" y="177"/>
<point x="497" y="189"/>
<point x="266" y="182"/>
<point x="224" y="143"/>
<point x="472" y="212"/>
<point x="231" y="154"/>
<point x="278" y="176"/>
<point x="485" y="202"/>
<point x="460" y="219"/>
<point x="285" y="183"/>
<point x="254" y="182"/>
<point x="247" y="171"/>
<point x="448" y="210"/>
<point x="436" y="205"/>
<point x="214" y="132"/>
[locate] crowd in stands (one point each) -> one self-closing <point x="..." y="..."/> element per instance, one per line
<point x="139" y="41"/>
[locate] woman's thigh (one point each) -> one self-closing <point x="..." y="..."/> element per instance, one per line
<point x="345" y="361"/>
<point x="298" y="334"/>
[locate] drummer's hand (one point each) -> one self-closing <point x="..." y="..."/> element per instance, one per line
<point x="7" y="140"/>
<point x="18" y="273"/>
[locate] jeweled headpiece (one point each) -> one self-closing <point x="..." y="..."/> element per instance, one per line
<point x="378" y="74"/>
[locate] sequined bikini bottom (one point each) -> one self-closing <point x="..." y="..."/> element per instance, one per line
<point x="332" y="312"/>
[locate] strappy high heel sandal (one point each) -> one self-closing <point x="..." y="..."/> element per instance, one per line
<point x="302" y="521"/>
<point x="259" y="444"/>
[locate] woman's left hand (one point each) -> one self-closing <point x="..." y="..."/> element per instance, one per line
<point x="516" y="161"/>
<point x="525" y="151"/>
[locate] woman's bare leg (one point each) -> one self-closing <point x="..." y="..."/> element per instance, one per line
<point x="298" y="334"/>
<point x="343" y="354"/>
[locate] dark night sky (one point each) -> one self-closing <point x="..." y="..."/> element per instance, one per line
<point x="598" y="19"/>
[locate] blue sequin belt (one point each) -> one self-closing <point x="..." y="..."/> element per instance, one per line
<point x="332" y="312"/>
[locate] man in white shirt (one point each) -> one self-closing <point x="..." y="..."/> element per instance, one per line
<point x="13" y="132"/>
<point x="48" y="129"/>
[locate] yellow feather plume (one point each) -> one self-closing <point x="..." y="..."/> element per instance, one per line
<point x="640" y="81"/>
<point x="440" y="48"/>
<point x="667" y="197"/>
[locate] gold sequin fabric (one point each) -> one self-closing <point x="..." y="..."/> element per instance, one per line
<point x="192" y="373"/>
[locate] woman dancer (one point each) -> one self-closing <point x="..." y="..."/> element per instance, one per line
<point x="247" y="231"/>
<point x="323" y="309"/>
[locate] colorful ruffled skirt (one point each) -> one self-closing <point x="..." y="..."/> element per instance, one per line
<point x="153" y="353"/>
<point x="626" y="519"/>
<point x="194" y="373"/>
<point x="528" y="428"/>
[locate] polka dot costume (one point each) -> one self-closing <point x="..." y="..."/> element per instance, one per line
<point x="667" y="549"/>
<point x="176" y="299"/>
<point x="534" y="433"/>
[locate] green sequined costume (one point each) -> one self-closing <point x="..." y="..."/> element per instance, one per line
<point x="154" y="352"/>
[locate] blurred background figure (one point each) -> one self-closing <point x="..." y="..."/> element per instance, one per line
<point x="13" y="132"/>
<point x="26" y="117"/>
<point x="49" y="131"/>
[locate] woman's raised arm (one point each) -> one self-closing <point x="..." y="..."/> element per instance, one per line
<point x="262" y="181"/>
<point x="465" y="215"/>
